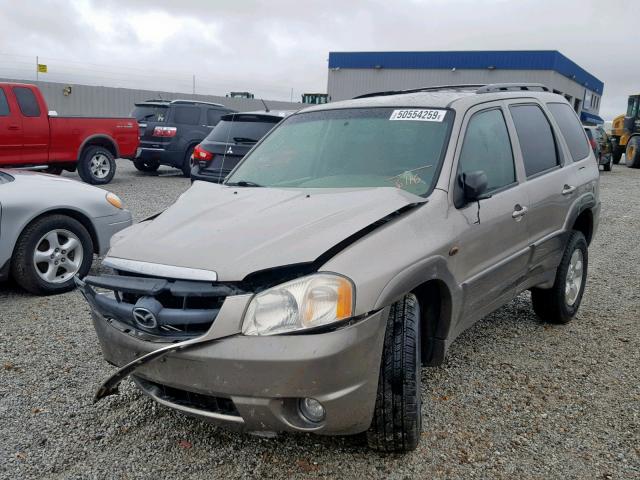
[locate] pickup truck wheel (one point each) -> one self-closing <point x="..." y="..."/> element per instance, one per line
<point x="560" y="303"/>
<point x="49" y="253"/>
<point x="146" y="165"/>
<point x="96" y="166"/>
<point x="186" y="164"/>
<point x="633" y="152"/>
<point x="397" y="419"/>
<point x="53" y="170"/>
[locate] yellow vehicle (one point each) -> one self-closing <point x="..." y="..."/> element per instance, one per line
<point x="626" y="133"/>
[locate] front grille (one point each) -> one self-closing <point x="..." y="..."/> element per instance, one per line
<point x="160" y="307"/>
<point x="208" y="403"/>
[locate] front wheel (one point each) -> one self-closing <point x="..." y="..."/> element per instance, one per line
<point x="560" y="303"/>
<point x="96" y="166"/>
<point x="633" y="152"/>
<point x="146" y="165"/>
<point x="49" y="253"/>
<point x="397" y="419"/>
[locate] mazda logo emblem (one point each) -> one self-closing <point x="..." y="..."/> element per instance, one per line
<point x="144" y="318"/>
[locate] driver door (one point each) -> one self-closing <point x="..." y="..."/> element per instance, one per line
<point x="492" y="239"/>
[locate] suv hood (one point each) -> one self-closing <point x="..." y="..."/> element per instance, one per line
<point x="236" y="231"/>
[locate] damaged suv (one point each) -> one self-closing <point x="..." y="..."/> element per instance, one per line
<point x="348" y="249"/>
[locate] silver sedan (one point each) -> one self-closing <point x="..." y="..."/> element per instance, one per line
<point x="50" y="227"/>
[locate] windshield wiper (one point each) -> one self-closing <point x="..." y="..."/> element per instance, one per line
<point x="243" y="183"/>
<point x="244" y="140"/>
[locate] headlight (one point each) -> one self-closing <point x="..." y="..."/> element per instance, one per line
<point x="114" y="200"/>
<point x="304" y="303"/>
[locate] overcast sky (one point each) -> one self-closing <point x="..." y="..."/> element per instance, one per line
<point x="272" y="46"/>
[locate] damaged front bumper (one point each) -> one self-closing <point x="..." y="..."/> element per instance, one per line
<point x="248" y="382"/>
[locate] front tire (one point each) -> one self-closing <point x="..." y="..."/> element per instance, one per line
<point x="49" y="253"/>
<point x="560" y="303"/>
<point x="397" y="419"/>
<point x="633" y="152"/>
<point x="146" y="165"/>
<point x="97" y="166"/>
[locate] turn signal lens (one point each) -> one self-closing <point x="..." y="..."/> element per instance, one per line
<point x="114" y="200"/>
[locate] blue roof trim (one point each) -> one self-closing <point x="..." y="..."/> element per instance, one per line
<point x="505" y="60"/>
<point x="591" y="118"/>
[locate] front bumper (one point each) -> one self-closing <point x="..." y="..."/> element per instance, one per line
<point x="106" y="227"/>
<point x="262" y="378"/>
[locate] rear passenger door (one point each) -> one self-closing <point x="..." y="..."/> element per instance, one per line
<point x="492" y="239"/>
<point x="549" y="183"/>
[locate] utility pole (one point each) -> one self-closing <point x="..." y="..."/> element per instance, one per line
<point x="292" y="94"/>
<point x="194" y="84"/>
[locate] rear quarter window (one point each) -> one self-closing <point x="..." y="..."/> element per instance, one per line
<point x="571" y="129"/>
<point x="186" y="115"/>
<point x="27" y="101"/>
<point x="4" y="106"/>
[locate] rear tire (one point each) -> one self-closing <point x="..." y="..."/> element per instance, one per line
<point x="33" y="245"/>
<point x="397" y="418"/>
<point x="559" y="304"/>
<point x="186" y="163"/>
<point x="146" y="165"/>
<point x="609" y="165"/>
<point x="633" y="152"/>
<point x="617" y="155"/>
<point x="96" y="165"/>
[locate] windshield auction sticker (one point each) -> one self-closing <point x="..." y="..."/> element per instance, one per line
<point x="419" y="115"/>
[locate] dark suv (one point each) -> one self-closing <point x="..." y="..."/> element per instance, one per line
<point x="602" y="146"/>
<point x="169" y="131"/>
<point x="229" y="141"/>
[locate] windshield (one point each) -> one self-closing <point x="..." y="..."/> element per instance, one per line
<point x="372" y="147"/>
<point x="150" y="113"/>
<point x="245" y="129"/>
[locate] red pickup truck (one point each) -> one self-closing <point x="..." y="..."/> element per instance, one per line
<point x="32" y="137"/>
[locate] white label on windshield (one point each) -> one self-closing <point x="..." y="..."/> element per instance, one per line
<point x="420" y="115"/>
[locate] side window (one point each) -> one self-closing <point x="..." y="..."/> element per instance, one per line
<point x="186" y="115"/>
<point x="487" y="147"/>
<point x="571" y="129"/>
<point x="537" y="143"/>
<point x="213" y="116"/>
<point x="27" y="101"/>
<point x="4" y="106"/>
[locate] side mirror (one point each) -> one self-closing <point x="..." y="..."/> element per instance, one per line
<point x="471" y="187"/>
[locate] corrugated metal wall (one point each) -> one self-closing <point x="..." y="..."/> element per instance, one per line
<point x="107" y="101"/>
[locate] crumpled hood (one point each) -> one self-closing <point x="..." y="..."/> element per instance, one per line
<point x="235" y="231"/>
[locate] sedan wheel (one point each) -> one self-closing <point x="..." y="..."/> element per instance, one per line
<point x="50" y="251"/>
<point x="58" y="256"/>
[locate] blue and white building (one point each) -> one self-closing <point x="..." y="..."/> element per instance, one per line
<point x="356" y="73"/>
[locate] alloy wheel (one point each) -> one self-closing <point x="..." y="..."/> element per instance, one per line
<point x="58" y="256"/>
<point x="573" y="281"/>
<point x="100" y="166"/>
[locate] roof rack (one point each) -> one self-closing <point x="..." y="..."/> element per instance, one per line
<point x="461" y="87"/>
<point x="196" y="101"/>
<point x="510" y="87"/>
<point x="478" y="88"/>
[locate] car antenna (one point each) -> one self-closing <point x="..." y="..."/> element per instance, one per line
<point x="266" y="109"/>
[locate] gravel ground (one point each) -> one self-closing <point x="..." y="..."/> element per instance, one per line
<point x="515" y="399"/>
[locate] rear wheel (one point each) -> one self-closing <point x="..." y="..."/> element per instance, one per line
<point x="97" y="166"/>
<point x="397" y="418"/>
<point x="633" y="152"/>
<point x="609" y="165"/>
<point x="186" y="163"/>
<point x="49" y="253"/>
<point x="560" y="303"/>
<point x="146" y="165"/>
<point x="617" y="155"/>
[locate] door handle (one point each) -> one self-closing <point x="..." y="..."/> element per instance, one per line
<point x="519" y="212"/>
<point x="568" y="189"/>
<point x="13" y="127"/>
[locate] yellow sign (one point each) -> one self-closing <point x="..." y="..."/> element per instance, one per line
<point x="42" y="68"/>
